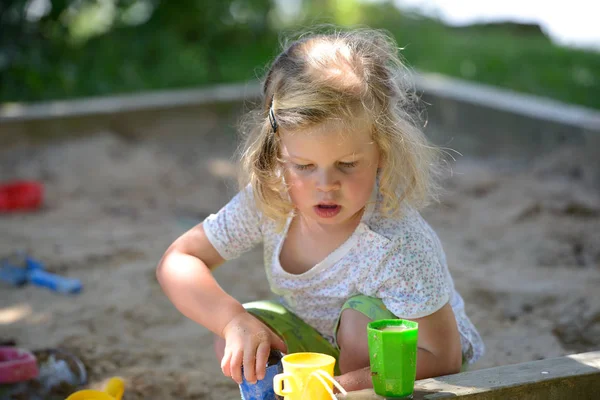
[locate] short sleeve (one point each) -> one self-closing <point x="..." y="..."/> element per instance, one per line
<point x="412" y="279"/>
<point x="236" y="228"/>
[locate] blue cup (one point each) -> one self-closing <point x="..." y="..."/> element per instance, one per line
<point x="263" y="389"/>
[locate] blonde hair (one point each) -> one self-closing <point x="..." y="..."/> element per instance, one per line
<point x="320" y="77"/>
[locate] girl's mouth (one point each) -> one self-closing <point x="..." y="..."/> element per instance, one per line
<point x="327" y="210"/>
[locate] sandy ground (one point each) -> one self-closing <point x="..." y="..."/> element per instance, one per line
<point x="523" y="247"/>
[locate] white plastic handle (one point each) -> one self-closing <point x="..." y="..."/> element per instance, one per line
<point x="320" y="374"/>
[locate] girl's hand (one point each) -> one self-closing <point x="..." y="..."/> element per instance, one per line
<point x="248" y="342"/>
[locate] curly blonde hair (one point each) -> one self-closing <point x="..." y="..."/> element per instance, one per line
<point x="340" y="75"/>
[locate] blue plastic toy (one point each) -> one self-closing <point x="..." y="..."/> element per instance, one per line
<point x="263" y="389"/>
<point x="22" y="269"/>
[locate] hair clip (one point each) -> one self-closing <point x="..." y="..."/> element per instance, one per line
<point x="272" y="119"/>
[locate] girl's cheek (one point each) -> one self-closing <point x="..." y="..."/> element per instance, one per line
<point x="289" y="176"/>
<point x="363" y="184"/>
<point x="295" y="181"/>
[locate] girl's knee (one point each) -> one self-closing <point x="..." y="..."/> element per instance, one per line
<point x="352" y="328"/>
<point x="352" y="340"/>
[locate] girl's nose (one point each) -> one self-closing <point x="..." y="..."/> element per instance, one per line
<point x="327" y="181"/>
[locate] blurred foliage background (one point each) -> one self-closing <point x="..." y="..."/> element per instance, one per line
<point x="72" y="48"/>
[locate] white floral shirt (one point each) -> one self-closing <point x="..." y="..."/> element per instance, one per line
<point x="398" y="260"/>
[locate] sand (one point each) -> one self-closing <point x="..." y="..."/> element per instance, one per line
<point x="523" y="245"/>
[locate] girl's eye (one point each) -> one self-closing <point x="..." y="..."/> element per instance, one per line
<point x="302" y="167"/>
<point x="348" y="164"/>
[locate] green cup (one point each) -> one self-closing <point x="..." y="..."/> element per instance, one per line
<point x="393" y="356"/>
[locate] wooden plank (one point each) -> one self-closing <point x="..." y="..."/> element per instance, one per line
<point x="575" y="376"/>
<point x="164" y="99"/>
<point x="437" y="86"/>
<point x="508" y="101"/>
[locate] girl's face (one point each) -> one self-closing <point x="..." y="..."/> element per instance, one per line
<point x="330" y="170"/>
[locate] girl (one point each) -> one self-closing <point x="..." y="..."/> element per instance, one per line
<point x="334" y="171"/>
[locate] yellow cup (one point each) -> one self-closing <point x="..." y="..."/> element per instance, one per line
<point x="306" y="376"/>
<point x="113" y="391"/>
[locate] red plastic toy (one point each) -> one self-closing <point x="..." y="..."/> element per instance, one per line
<point x="21" y="196"/>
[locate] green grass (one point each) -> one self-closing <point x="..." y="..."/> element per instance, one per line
<point x="526" y="62"/>
<point x="138" y="59"/>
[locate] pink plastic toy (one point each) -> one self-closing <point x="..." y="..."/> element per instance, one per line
<point x="17" y="365"/>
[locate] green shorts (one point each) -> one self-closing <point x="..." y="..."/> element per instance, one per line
<point x="301" y="337"/>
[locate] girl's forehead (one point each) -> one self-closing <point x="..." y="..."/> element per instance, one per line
<point x="355" y="130"/>
<point x="332" y="137"/>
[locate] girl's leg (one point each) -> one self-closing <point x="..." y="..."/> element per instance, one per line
<point x="351" y="335"/>
<point x="352" y="341"/>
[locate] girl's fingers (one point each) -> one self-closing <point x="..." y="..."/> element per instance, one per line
<point x="225" y="363"/>
<point x="249" y="364"/>
<point x="262" y="356"/>
<point x="278" y="343"/>
<point x="235" y="366"/>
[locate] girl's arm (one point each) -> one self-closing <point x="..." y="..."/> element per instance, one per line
<point x="184" y="273"/>
<point x="439" y="348"/>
